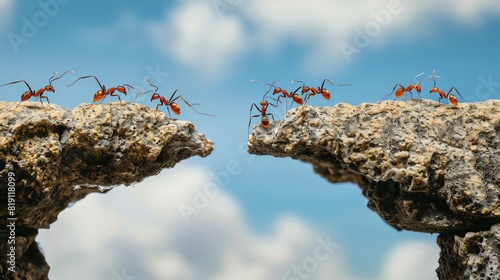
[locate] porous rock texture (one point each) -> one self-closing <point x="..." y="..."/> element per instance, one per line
<point x="58" y="156"/>
<point x="423" y="167"/>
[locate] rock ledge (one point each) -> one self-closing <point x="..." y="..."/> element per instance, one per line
<point x="423" y="167"/>
<point x="56" y="156"/>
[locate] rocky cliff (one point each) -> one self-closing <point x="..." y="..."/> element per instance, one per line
<point x="50" y="157"/>
<point x="423" y="167"/>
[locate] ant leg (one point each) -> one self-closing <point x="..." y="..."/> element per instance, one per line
<point x="191" y="105"/>
<point x="117" y="95"/>
<point x="270" y="114"/>
<point x="156" y="111"/>
<point x="46" y="97"/>
<point x="17" y="106"/>
<point x="169" y="114"/>
<point x="308" y="96"/>
<point x="251" y="117"/>
<point x="110" y="112"/>
<point x="102" y="100"/>
<point x="275" y="99"/>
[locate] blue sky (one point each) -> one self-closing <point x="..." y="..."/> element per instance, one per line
<point x="210" y="55"/>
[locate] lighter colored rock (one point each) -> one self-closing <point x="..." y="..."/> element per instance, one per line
<point x="414" y="159"/>
<point x="59" y="156"/>
<point x="422" y="167"/>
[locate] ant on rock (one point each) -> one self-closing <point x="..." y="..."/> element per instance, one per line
<point x="102" y="92"/>
<point x="170" y="103"/>
<point x="311" y="91"/>
<point x="283" y="93"/>
<point x="442" y="95"/>
<point x="264" y="120"/>
<point x="30" y="93"/>
<point x="401" y="90"/>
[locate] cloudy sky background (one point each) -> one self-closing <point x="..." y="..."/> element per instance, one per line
<point x="270" y="214"/>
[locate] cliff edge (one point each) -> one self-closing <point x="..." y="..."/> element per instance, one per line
<point x="423" y="167"/>
<point x="51" y="157"/>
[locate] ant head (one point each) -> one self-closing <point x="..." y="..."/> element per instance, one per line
<point x="434" y="89"/>
<point x="155" y="96"/>
<point x="264" y="103"/>
<point x="277" y="90"/>
<point x="50" y="88"/>
<point x="418" y="88"/>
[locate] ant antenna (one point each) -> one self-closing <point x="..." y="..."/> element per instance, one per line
<point x="267" y="84"/>
<point x="129" y="86"/>
<point x="433" y="76"/>
<point x="23" y="81"/>
<point x="51" y="79"/>
<point x="149" y="82"/>
<point x="341" y="85"/>
<point x="85" y="77"/>
<point x="141" y="92"/>
<point x="415" y="78"/>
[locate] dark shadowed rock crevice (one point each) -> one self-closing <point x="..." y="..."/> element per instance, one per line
<point x="57" y="156"/>
<point x="423" y="167"/>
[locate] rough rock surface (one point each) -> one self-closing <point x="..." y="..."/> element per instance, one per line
<point x="58" y="156"/>
<point x="423" y="167"/>
<point x="475" y="255"/>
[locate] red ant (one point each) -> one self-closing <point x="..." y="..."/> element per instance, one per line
<point x="442" y="95"/>
<point x="284" y="93"/>
<point x="402" y="90"/>
<point x="264" y="120"/>
<point x="101" y="93"/>
<point x="171" y="101"/>
<point x="28" y="94"/>
<point x="310" y="91"/>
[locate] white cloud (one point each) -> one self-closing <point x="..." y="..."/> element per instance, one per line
<point x="411" y="260"/>
<point x="471" y="11"/>
<point x="139" y="231"/>
<point x="6" y="7"/>
<point x="193" y="33"/>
